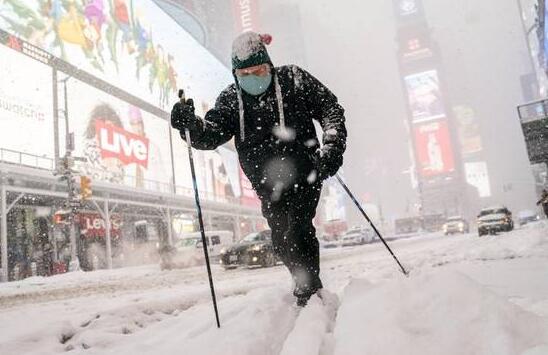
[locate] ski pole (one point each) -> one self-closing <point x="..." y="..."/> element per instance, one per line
<point x="345" y="187"/>
<point x="200" y="218"/>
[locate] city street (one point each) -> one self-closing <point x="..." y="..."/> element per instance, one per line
<point x="454" y="280"/>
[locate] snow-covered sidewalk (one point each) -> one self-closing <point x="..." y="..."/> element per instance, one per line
<point x="465" y="295"/>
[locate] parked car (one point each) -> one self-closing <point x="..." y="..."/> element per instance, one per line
<point x="455" y="224"/>
<point x="495" y="219"/>
<point x="329" y="243"/>
<point x="255" y="249"/>
<point x="190" y="245"/>
<point x="527" y="216"/>
<point x="357" y="236"/>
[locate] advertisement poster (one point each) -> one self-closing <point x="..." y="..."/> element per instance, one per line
<point x="433" y="149"/>
<point x="469" y="130"/>
<point x="249" y="197"/>
<point x="25" y="107"/>
<point x="333" y="202"/>
<point x="478" y="176"/>
<point x="424" y="95"/>
<point x="131" y="44"/>
<point x="122" y="144"/>
<point x="231" y="168"/>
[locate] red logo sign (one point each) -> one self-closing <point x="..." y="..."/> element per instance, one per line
<point x="93" y="225"/>
<point x="115" y="142"/>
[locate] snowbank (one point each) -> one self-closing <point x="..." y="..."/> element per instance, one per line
<point x="441" y="312"/>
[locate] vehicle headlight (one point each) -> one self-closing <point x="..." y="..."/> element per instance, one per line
<point x="257" y="247"/>
<point x="445" y="227"/>
<point x="223" y="251"/>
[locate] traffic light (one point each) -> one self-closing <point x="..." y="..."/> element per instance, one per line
<point x="85" y="187"/>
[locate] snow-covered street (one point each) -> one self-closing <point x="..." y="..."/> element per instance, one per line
<point x="465" y="295"/>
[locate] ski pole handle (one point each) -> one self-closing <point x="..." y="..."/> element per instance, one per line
<point x="182" y="100"/>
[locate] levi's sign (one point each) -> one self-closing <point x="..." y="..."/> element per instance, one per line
<point x="115" y="142"/>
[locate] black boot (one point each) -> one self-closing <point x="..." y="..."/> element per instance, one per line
<point x="303" y="292"/>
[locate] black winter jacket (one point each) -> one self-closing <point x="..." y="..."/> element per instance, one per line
<point x="269" y="159"/>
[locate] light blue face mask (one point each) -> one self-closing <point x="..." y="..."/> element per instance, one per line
<point x="253" y="84"/>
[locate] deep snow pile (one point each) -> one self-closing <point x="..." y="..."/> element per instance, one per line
<point x="439" y="312"/>
<point x="465" y="295"/>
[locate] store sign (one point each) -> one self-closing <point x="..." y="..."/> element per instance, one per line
<point x="245" y="15"/>
<point x="433" y="149"/>
<point x="424" y="96"/>
<point x="115" y="142"/>
<point x="93" y="225"/>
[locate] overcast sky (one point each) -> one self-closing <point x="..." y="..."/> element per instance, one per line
<point x="351" y="46"/>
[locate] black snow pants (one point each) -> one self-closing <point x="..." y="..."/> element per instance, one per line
<point x="294" y="236"/>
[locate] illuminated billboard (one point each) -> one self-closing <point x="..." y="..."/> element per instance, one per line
<point x="424" y="95"/>
<point x="469" y="130"/>
<point x="122" y="144"/>
<point x="132" y="45"/>
<point x="477" y="175"/>
<point x="433" y="149"/>
<point x="25" y="105"/>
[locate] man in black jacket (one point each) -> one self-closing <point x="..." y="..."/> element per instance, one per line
<point x="270" y="111"/>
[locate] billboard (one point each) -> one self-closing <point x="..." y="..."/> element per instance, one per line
<point x="122" y="144"/>
<point x="131" y="44"/>
<point x="25" y="105"/>
<point x="245" y="15"/>
<point x="424" y="96"/>
<point x="469" y="130"/>
<point x="333" y="202"/>
<point x="229" y="170"/>
<point x="249" y="197"/>
<point x="433" y="149"/>
<point x="477" y="175"/>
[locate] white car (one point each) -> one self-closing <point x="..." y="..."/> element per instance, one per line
<point x="357" y="237"/>
<point x="191" y="243"/>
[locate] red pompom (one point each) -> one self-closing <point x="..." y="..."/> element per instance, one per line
<point x="266" y="38"/>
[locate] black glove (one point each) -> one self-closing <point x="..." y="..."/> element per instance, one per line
<point x="182" y="115"/>
<point x="321" y="167"/>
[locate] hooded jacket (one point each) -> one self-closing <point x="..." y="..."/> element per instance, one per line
<point x="278" y="151"/>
